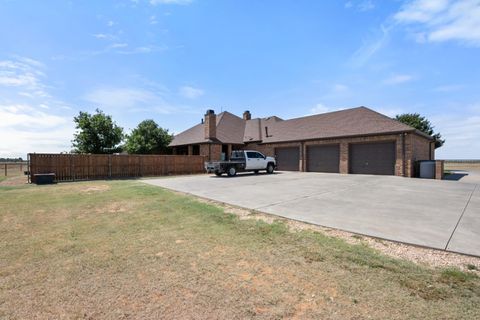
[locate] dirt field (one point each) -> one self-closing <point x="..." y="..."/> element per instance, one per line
<point x="124" y="250"/>
<point x="12" y="169"/>
<point x="462" y="166"/>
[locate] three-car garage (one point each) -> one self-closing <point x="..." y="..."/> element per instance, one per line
<point x="363" y="158"/>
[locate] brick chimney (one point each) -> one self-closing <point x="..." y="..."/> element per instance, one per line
<point x="247" y="115"/>
<point x="210" y="125"/>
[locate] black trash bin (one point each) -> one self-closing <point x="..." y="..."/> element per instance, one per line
<point x="44" y="178"/>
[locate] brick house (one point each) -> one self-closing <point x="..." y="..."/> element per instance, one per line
<point x="357" y="140"/>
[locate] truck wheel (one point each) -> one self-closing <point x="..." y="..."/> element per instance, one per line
<point x="270" y="168"/>
<point x="218" y="174"/>
<point x="232" y="171"/>
<point x="256" y="171"/>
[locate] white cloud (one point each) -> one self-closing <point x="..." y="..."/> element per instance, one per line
<point x="462" y="134"/>
<point x="191" y="92"/>
<point x="389" y="111"/>
<point x="398" y="79"/>
<point x="180" y="2"/>
<point x="100" y="36"/>
<point x="26" y="129"/>
<point x="17" y="67"/>
<point x="365" y="5"/>
<point x="449" y="88"/>
<point x="110" y="23"/>
<point x="25" y="74"/>
<point x="153" y="20"/>
<point x="27" y="116"/>
<point x="320" y="108"/>
<point x="339" y="88"/>
<point x="141" y="49"/>
<point x="106" y="36"/>
<point x="443" y="20"/>
<point x="30" y="116"/>
<point x="370" y="47"/>
<point x="128" y="99"/>
<point x="119" y="45"/>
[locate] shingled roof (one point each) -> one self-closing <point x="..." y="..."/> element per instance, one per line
<point x="344" y="123"/>
<point x="230" y="129"/>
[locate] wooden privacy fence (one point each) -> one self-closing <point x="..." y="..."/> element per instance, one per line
<point x="72" y="167"/>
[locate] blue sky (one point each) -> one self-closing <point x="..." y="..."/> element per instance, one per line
<point x="170" y="60"/>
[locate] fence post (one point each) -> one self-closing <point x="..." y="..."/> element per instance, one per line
<point x="110" y="166"/>
<point x="5" y="169"/>
<point x="73" y="166"/>
<point x="29" y="169"/>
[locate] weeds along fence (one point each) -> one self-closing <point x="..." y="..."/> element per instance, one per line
<point x="74" y="167"/>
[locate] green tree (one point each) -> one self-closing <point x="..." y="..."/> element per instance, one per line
<point x="423" y="124"/>
<point x="96" y="133"/>
<point x="148" y="138"/>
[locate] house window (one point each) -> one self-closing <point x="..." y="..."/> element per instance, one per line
<point x="182" y="150"/>
<point x="196" y="150"/>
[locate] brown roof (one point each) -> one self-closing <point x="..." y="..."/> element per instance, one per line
<point x="230" y="129"/>
<point x="344" y="123"/>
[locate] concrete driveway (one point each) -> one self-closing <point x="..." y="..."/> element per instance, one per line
<point x="432" y="213"/>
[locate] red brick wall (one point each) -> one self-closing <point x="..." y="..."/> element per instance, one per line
<point x="210" y="126"/>
<point x="419" y="149"/>
<point x="439" y="169"/>
<point x="211" y="152"/>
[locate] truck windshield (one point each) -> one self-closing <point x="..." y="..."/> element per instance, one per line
<point x="237" y="155"/>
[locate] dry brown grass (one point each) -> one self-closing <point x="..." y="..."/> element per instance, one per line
<point x="462" y="166"/>
<point x="123" y="250"/>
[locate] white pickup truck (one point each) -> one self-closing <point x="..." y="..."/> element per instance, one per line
<point x="242" y="161"/>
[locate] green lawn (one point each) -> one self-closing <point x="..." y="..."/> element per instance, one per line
<point x="123" y="249"/>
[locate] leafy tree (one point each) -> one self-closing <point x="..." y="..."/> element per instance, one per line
<point x="97" y="133"/>
<point x="421" y="123"/>
<point x="148" y="138"/>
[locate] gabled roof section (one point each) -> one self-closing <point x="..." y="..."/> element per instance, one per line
<point x="344" y="123"/>
<point x="252" y="131"/>
<point x="230" y="129"/>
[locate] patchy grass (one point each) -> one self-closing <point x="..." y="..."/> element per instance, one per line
<point x="124" y="249"/>
<point x="471" y="267"/>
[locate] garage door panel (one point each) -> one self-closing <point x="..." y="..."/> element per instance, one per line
<point x="372" y="158"/>
<point x="323" y="158"/>
<point x="288" y="159"/>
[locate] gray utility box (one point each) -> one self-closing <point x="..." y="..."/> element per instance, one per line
<point x="427" y="169"/>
